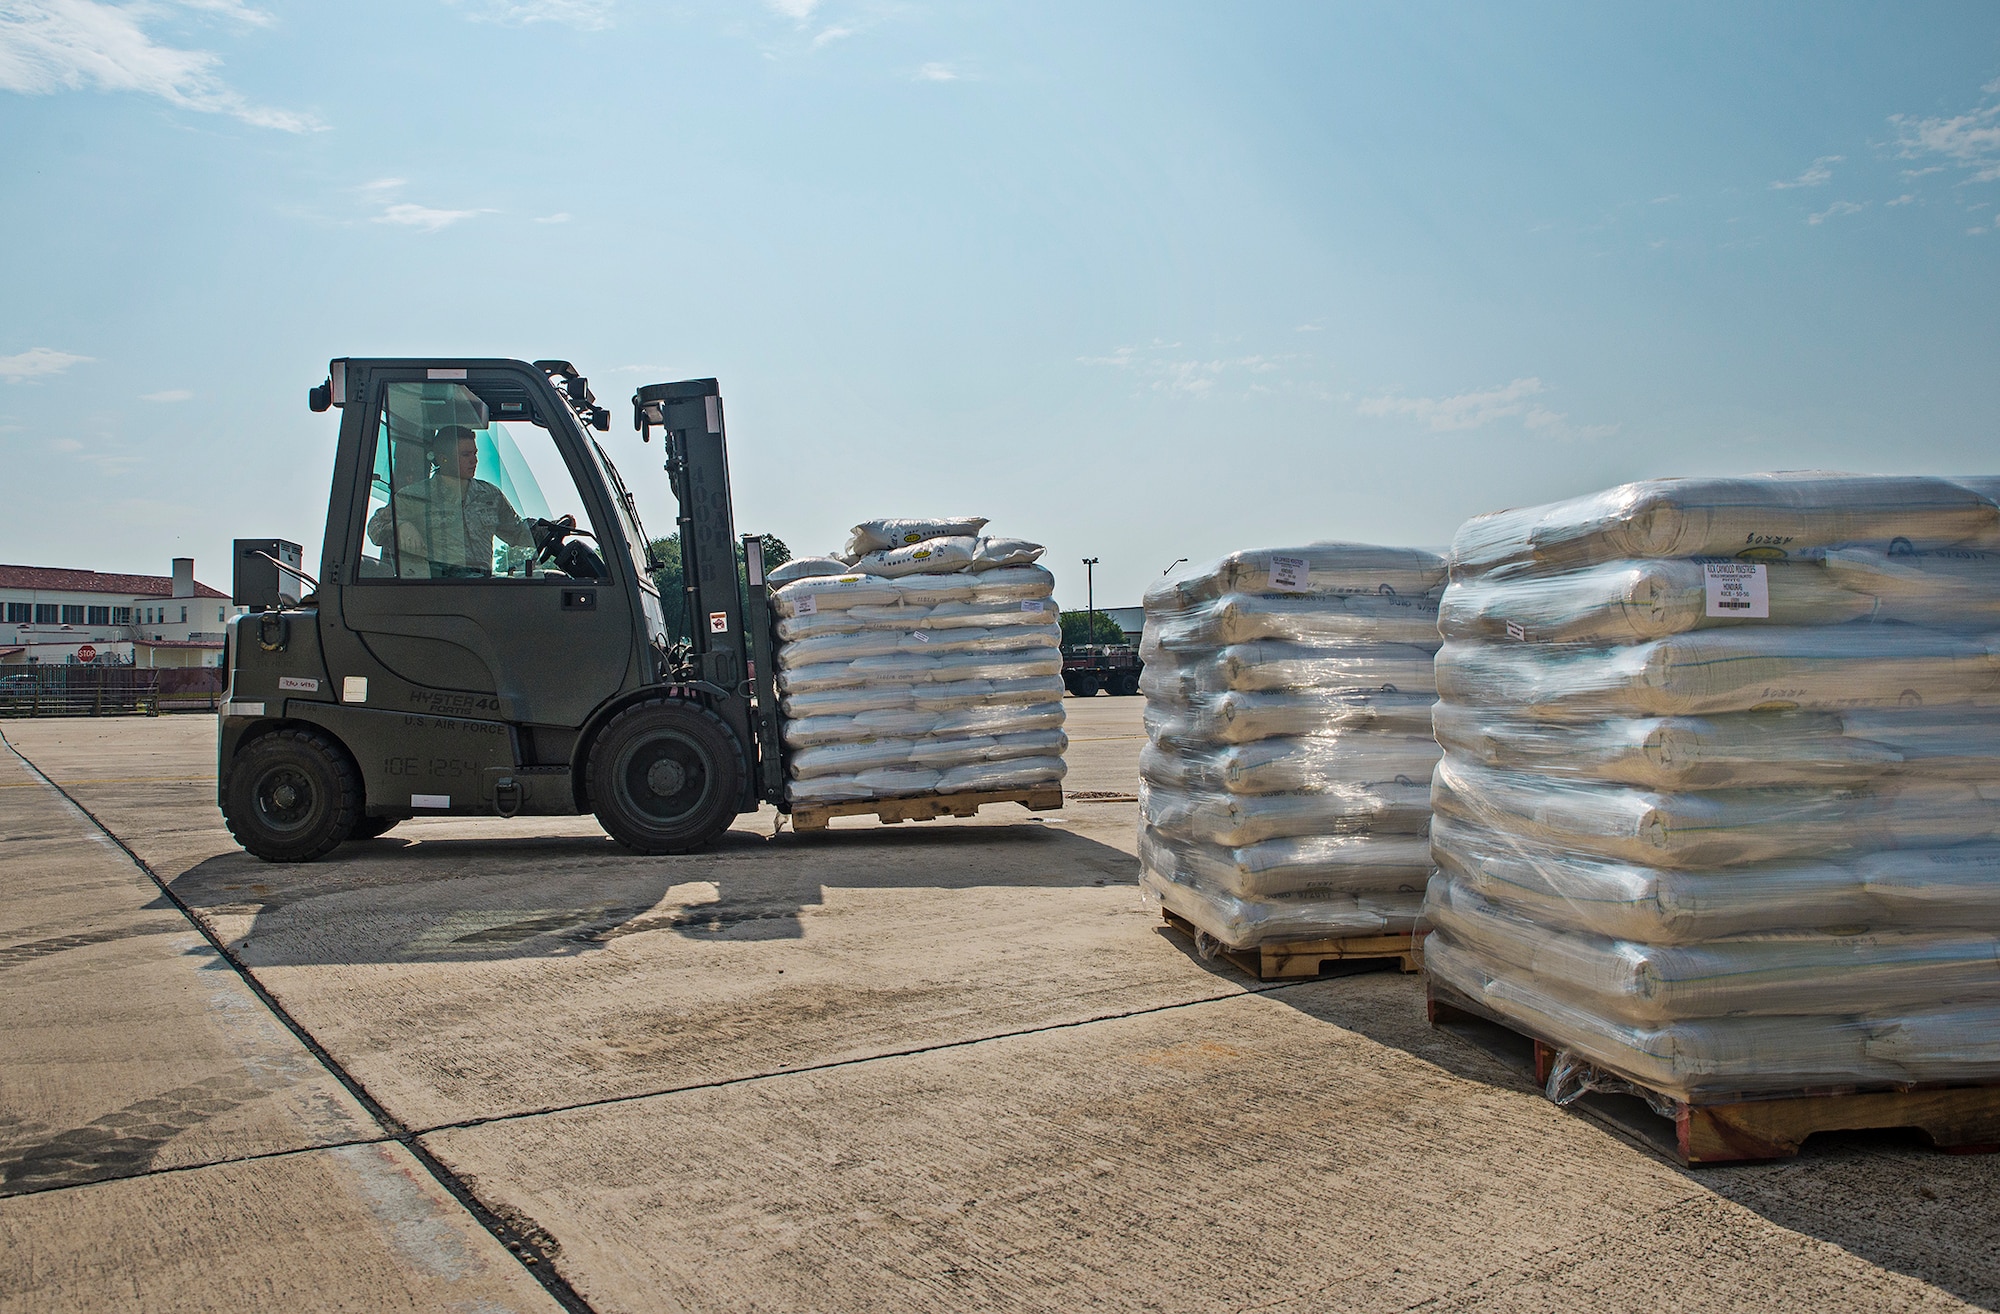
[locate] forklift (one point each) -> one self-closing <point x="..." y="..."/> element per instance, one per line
<point x="469" y="651"/>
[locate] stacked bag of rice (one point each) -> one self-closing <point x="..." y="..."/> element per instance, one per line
<point x="1719" y="808"/>
<point x="1285" y="784"/>
<point x="926" y="660"/>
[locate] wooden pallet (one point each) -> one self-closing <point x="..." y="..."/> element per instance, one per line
<point x="926" y="807"/>
<point x="1957" y="1119"/>
<point x="1291" y="959"/>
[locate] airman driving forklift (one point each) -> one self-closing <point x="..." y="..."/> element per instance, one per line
<point x="486" y="638"/>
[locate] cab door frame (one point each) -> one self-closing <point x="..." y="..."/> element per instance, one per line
<point x="511" y="700"/>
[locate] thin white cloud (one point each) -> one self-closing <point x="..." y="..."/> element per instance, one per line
<point x="35" y="362"/>
<point x="1310" y="328"/>
<point x="234" y="9"/>
<point x="588" y="15"/>
<point x="1970" y="140"/>
<point x="1662" y="200"/>
<point x="170" y="395"/>
<point x="49" y="46"/>
<point x="382" y="186"/>
<point x="423" y="217"/>
<point x="1835" y="210"/>
<point x="796" y="10"/>
<point x="106" y="463"/>
<point x="1476" y="410"/>
<point x="936" y="73"/>
<point x="1819" y="174"/>
<point x="831" y="35"/>
<point x="561" y="217"/>
<point x="1182" y="377"/>
<point x="1467" y="410"/>
<point x="1904" y="199"/>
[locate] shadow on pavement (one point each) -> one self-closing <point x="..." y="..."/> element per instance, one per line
<point x="392" y="900"/>
<point x="1886" y="1197"/>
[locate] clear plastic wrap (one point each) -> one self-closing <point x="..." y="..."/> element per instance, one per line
<point x="1274" y="665"/>
<point x="1317" y="569"/>
<point x="1290" y="765"/>
<point x="1704" y="673"/>
<point x="1728" y="828"/>
<point x="1715" y="828"/>
<point x="1234" y="820"/>
<point x="934" y="681"/>
<point x="1286" y="779"/>
<point x="1632" y="601"/>
<point x="1771" y="516"/>
<point x="1735" y="750"/>
<point x="1955" y="889"/>
<point x="1241" y="718"/>
<point x="1946" y="588"/>
<point x="1796" y="973"/>
<point x="1238" y="920"/>
<point x="1363" y="618"/>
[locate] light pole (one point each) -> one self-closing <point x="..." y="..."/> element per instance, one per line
<point x="1090" y="599"/>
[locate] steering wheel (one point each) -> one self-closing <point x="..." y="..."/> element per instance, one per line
<point x="549" y="536"/>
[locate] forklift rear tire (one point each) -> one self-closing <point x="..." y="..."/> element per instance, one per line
<point x="665" y="776"/>
<point x="292" y="796"/>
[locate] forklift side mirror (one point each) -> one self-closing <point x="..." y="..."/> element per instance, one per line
<point x="320" y="396"/>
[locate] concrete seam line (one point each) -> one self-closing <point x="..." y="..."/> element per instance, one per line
<point x="195" y="1167"/>
<point x="721" y="1082"/>
<point x="514" y="1240"/>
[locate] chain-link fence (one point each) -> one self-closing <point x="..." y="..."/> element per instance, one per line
<point x="80" y="690"/>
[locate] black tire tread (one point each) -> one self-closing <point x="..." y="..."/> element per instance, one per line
<point x="608" y="818"/>
<point x="346" y="812"/>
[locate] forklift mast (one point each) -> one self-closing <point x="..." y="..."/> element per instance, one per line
<point x="729" y="619"/>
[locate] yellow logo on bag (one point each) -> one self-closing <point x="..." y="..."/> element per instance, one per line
<point x="912" y="538"/>
<point x="920" y="554"/>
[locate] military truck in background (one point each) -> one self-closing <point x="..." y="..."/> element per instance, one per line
<point x="1113" y="667"/>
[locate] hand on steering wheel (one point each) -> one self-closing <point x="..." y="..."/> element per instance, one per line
<point x="549" y="535"/>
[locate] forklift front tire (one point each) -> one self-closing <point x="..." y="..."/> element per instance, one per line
<point x="292" y="796"/>
<point x="665" y="776"/>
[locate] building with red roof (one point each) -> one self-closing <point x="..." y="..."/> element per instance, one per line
<point x="59" y="614"/>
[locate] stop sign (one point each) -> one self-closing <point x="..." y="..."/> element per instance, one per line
<point x="86" y="653"/>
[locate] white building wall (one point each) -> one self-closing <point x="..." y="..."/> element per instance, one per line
<point x="58" y="639"/>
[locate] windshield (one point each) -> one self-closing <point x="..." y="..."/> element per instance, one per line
<point x="462" y="474"/>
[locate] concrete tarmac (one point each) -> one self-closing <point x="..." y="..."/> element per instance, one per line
<point x="937" y="1065"/>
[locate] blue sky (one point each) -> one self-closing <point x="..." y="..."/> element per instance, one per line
<point x="1140" y="281"/>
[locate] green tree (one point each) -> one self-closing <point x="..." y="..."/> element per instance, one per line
<point x="1077" y="628"/>
<point x="671" y="580"/>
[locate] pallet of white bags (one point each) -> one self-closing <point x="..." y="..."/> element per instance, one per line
<point x="1956" y="1119"/>
<point x="926" y="807"/>
<point x="1290" y="959"/>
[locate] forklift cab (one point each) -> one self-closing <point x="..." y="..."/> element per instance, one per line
<point x="487" y="638"/>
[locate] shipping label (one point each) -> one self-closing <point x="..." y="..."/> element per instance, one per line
<point x="1289" y="575"/>
<point x="1741" y="589"/>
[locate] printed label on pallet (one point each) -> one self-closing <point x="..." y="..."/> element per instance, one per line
<point x="1738" y="588"/>
<point x="1289" y="575"/>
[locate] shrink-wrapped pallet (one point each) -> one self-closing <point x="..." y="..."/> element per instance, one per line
<point x="1285" y="782"/>
<point x="942" y="677"/>
<point x="1719" y="807"/>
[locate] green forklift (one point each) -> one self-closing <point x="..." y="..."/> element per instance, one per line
<point x="486" y="638"/>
